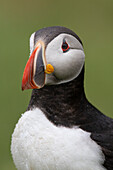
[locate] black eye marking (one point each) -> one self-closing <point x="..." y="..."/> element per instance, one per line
<point x="65" y="46"/>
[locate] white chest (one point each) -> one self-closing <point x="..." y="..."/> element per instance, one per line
<point x="37" y="144"/>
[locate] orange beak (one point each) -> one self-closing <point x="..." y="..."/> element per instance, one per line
<point x="34" y="72"/>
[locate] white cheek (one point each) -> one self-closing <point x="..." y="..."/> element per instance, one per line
<point x="67" y="65"/>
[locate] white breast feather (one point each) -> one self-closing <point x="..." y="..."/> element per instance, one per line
<point x="37" y="144"/>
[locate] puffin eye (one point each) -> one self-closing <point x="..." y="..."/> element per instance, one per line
<point x="65" y="46"/>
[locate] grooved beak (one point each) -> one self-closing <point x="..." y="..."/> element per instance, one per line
<point x="34" y="72"/>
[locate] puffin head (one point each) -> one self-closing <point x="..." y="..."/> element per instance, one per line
<point x="56" y="56"/>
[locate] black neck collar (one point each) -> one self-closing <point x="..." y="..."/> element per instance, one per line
<point x="62" y="104"/>
<point x="66" y="105"/>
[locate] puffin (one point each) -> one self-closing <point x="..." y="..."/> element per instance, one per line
<point x="60" y="129"/>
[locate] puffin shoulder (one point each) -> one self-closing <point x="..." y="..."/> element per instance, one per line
<point x="105" y="140"/>
<point x="101" y="129"/>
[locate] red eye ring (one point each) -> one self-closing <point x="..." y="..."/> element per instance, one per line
<point x="65" y="46"/>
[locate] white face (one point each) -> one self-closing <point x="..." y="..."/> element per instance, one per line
<point x="67" y="65"/>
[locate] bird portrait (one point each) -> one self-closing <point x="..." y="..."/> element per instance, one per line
<point x="60" y="129"/>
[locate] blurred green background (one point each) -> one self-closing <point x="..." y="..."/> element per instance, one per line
<point x="91" y="20"/>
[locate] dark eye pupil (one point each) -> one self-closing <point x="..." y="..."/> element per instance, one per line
<point x="64" y="45"/>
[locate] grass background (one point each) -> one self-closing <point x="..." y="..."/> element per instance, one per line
<point x="91" y="20"/>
